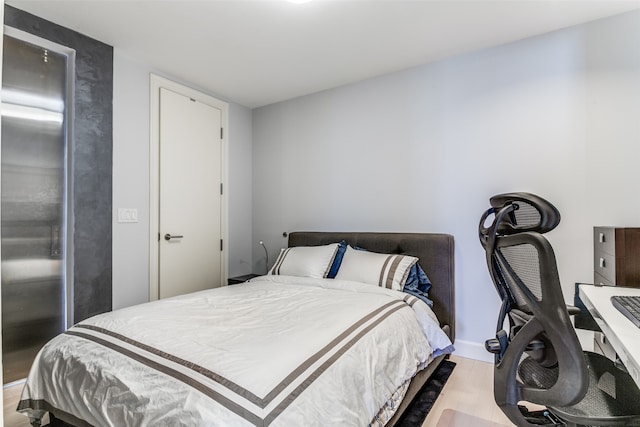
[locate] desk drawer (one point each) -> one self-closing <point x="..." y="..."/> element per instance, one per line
<point x="604" y="240"/>
<point x="605" y="265"/>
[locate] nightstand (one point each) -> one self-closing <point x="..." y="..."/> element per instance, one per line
<point x="241" y="279"/>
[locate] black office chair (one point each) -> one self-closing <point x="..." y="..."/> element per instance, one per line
<point x="539" y="359"/>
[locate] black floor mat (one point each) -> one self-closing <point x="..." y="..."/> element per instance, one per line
<point x="416" y="413"/>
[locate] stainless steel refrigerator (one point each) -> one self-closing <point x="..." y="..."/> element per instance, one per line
<point x="34" y="197"/>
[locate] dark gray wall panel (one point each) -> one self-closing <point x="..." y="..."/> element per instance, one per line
<point x="92" y="160"/>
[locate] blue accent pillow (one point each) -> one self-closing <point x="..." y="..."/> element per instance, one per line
<point x="418" y="284"/>
<point x="417" y="279"/>
<point x="337" y="260"/>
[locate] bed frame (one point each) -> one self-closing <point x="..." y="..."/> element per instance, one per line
<point x="436" y="257"/>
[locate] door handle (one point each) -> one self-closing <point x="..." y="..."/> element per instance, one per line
<point x="169" y="237"/>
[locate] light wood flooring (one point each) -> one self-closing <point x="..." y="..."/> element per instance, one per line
<point x="11" y="397"/>
<point x="466" y="400"/>
<point x="11" y="417"/>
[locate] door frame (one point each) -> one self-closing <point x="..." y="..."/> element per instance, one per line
<point x="157" y="82"/>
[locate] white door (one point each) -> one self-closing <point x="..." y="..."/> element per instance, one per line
<point x="190" y="176"/>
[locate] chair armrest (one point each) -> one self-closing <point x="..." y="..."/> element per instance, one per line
<point x="573" y="310"/>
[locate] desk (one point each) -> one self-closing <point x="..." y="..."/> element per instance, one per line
<point x="623" y="335"/>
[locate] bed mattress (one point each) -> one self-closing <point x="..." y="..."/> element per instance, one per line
<point x="277" y="351"/>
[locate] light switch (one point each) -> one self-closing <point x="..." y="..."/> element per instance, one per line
<point x="127" y="215"/>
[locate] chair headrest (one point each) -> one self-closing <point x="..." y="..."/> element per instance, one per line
<point x="530" y="213"/>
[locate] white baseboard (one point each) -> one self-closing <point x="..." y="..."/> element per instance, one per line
<point x="472" y="350"/>
<point x="476" y="351"/>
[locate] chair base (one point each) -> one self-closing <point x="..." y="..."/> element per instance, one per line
<point x="540" y="418"/>
<point x="613" y="398"/>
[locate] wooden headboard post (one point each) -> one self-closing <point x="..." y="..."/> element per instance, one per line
<point x="435" y="251"/>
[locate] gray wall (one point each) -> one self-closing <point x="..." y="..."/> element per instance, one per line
<point x="91" y="158"/>
<point x="424" y="149"/>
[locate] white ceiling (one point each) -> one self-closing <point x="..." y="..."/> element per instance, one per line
<point x="259" y="52"/>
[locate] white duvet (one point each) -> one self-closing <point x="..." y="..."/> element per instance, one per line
<point x="277" y="351"/>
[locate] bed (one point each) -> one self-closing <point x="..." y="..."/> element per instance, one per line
<point x="274" y="351"/>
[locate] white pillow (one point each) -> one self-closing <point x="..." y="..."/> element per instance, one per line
<point x="387" y="271"/>
<point x="305" y="261"/>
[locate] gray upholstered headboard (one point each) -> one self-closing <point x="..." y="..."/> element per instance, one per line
<point x="435" y="251"/>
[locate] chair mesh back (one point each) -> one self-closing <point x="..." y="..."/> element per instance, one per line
<point x="520" y="268"/>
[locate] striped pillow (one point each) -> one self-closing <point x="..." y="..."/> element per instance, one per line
<point x="385" y="270"/>
<point x="305" y="261"/>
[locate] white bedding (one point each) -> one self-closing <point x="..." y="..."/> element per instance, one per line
<point x="278" y="351"/>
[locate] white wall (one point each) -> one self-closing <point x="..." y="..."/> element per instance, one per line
<point x="240" y="191"/>
<point x="424" y="149"/>
<point x="131" y="181"/>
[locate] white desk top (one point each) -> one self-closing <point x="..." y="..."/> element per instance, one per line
<point x="623" y="335"/>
